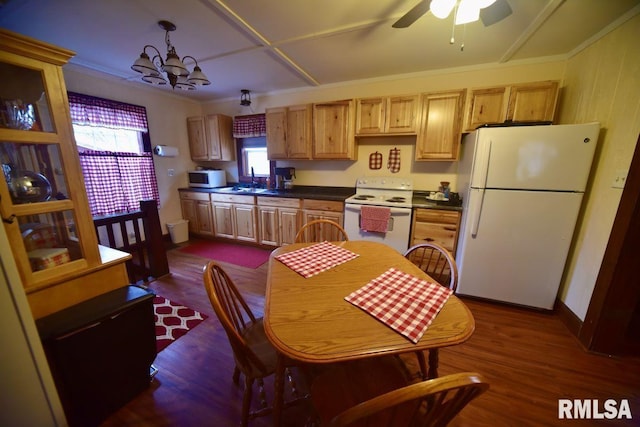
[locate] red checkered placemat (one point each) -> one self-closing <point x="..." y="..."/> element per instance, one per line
<point x="403" y="302"/>
<point x="315" y="259"/>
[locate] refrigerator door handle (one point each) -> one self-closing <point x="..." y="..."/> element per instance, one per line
<point x="476" y="212"/>
<point x="484" y="155"/>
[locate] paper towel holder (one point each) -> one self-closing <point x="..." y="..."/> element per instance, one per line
<point x="165" y="151"/>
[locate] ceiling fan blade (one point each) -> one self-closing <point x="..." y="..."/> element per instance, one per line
<point x="413" y="15"/>
<point x="495" y="13"/>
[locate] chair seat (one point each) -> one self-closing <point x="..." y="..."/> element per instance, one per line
<point x="258" y="342"/>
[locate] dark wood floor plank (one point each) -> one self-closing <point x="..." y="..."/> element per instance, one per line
<point x="529" y="358"/>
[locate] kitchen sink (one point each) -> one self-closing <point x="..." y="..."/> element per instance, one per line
<point x="243" y="190"/>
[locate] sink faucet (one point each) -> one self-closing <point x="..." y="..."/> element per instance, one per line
<point x="253" y="178"/>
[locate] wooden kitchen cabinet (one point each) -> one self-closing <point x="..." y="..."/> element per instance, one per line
<point x="526" y="102"/>
<point x="289" y="133"/>
<point x="234" y="217"/>
<point x="211" y="138"/>
<point x="322" y="209"/>
<point x="440" y="131"/>
<point x="436" y="226"/>
<point x="334" y="130"/>
<point x="279" y="220"/>
<point x="43" y="202"/>
<point x="196" y="208"/>
<point x="391" y="115"/>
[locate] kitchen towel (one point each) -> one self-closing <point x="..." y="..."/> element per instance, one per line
<point x="394" y="160"/>
<point x="314" y="259"/>
<point x="375" y="218"/>
<point x="401" y="301"/>
<point x="375" y="160"/>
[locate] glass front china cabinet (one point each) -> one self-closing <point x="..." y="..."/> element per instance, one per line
<point x="43" y="202"/>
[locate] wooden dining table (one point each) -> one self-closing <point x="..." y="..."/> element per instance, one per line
<point x="308" y="320"/>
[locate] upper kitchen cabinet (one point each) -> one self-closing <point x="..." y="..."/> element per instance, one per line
<point x="394" y="115"/>
<point x="333" y="130"/>
<point x="210" y="138"/>
<point x="43" y="202"/>
<point x="289" y="132"/>
<point x="526" y="102"/>
<point x="440" y="130"/>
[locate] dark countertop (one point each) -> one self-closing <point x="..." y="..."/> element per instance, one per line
<point x="339" y="194"/>
<point x="420" y="201"/>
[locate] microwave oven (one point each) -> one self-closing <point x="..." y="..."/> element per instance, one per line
<point x="207" y="178"/>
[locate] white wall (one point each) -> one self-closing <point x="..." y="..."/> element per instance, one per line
<point x="426" y="175"/>
<point x="167" y="116"/>
<point x="602" y="84"/>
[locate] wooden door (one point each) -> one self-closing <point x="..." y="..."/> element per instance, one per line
<point x="245" y="222"/>
<point x="487" y="106"/>
<point x="533" y="102"/>
<point x="189" y="212"/>
<point x="289" y="224"/>
<point x="204" y="215"/>
<point x="223" y="220"/>
<point x="440" y="132"/>
<point x="197" y="138"/>
<point x="370" y="113"/>
<point x="333" y="127"/>
<point x="276" y="122"/>
<point x="299" y="135"/>
<point x="401" y="114"/>
<point x="268" y="224"/>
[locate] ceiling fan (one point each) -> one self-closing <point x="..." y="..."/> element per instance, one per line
<point x="490" y="11"/>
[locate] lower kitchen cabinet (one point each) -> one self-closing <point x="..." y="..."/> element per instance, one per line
<point x="439" y="226"/>
<point x="278" y="220"/>
<point x="196" y="208"/>
<point x="322" y="209"/>
<point x="234" y="217"/>
<point x="245" y="222"/>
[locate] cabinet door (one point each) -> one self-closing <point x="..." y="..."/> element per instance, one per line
<point x="487" y="106"/>
<point x="289" y="224"/>
<point x="370" y="115"/>
<point x="298" y="135"/>
<point x="401" y="114"/>
<point x="197" y="139"/>
<point x="268" y="221"/>
<point x="43" y="201"/>
<point x="276" y="121"/>
<point x="333" y="130"/>
<point x="245" y="222"/>
<point x="439" y="136"/>
<point x="219" y="137"/>
<point x="204" y="214"/>
<point x="189" y="212"/>
<point x="533" y="102"/>
<point x="436" y="226"/>
<point x="223" y="220"/>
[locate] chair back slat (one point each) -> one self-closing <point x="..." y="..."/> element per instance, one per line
<point x="234" y="314"/>
<point x="436" y="261"/>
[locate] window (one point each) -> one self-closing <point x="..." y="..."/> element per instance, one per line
<point x="251" y="144"/>
<point x="115" y="154"/>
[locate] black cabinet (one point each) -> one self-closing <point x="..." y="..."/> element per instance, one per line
<point x="100" y="352"/>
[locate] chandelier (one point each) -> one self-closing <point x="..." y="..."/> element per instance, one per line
<point x="176" y="72"/>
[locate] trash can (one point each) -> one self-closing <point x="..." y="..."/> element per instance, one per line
<point x="178" y="230"/>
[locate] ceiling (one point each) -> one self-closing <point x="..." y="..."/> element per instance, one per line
<point x="268" y="46"/>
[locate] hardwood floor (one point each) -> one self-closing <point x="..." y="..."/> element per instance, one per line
<point x="529" y="358"/>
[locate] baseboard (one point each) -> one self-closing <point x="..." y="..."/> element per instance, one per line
<point x="568" y="317"/>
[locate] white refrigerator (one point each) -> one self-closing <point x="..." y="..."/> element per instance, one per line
<point x="522" y="190"/>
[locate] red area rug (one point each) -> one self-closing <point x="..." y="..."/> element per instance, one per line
<point x="244" y="256"/>
<point x="173" y="321"/>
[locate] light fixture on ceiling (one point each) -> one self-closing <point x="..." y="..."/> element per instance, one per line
<point x="466" y="10"/>
<point x="245" y="97"/>
<point x="176" y="72"/>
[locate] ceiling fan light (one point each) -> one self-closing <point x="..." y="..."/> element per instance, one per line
<point x="468" y="11"/>
<point x="198" y="78"/>
<point x="484" y="3"/>
<point x="442" y="8"/>
<point x="144" y="65"/>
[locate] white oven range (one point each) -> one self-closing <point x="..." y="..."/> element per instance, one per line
<point x="385" y="191"/>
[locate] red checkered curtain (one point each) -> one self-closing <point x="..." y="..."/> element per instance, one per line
<point x="116" y="182"/>
<point x="250" y="126"/>
<point x="92" y="111"/>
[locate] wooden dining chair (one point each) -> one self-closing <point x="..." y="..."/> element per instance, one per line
<point x="439" y="264"/>
<point x="320" y="230"/>
<point x="341" y="398"/>
<point x="254" y="355"/>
